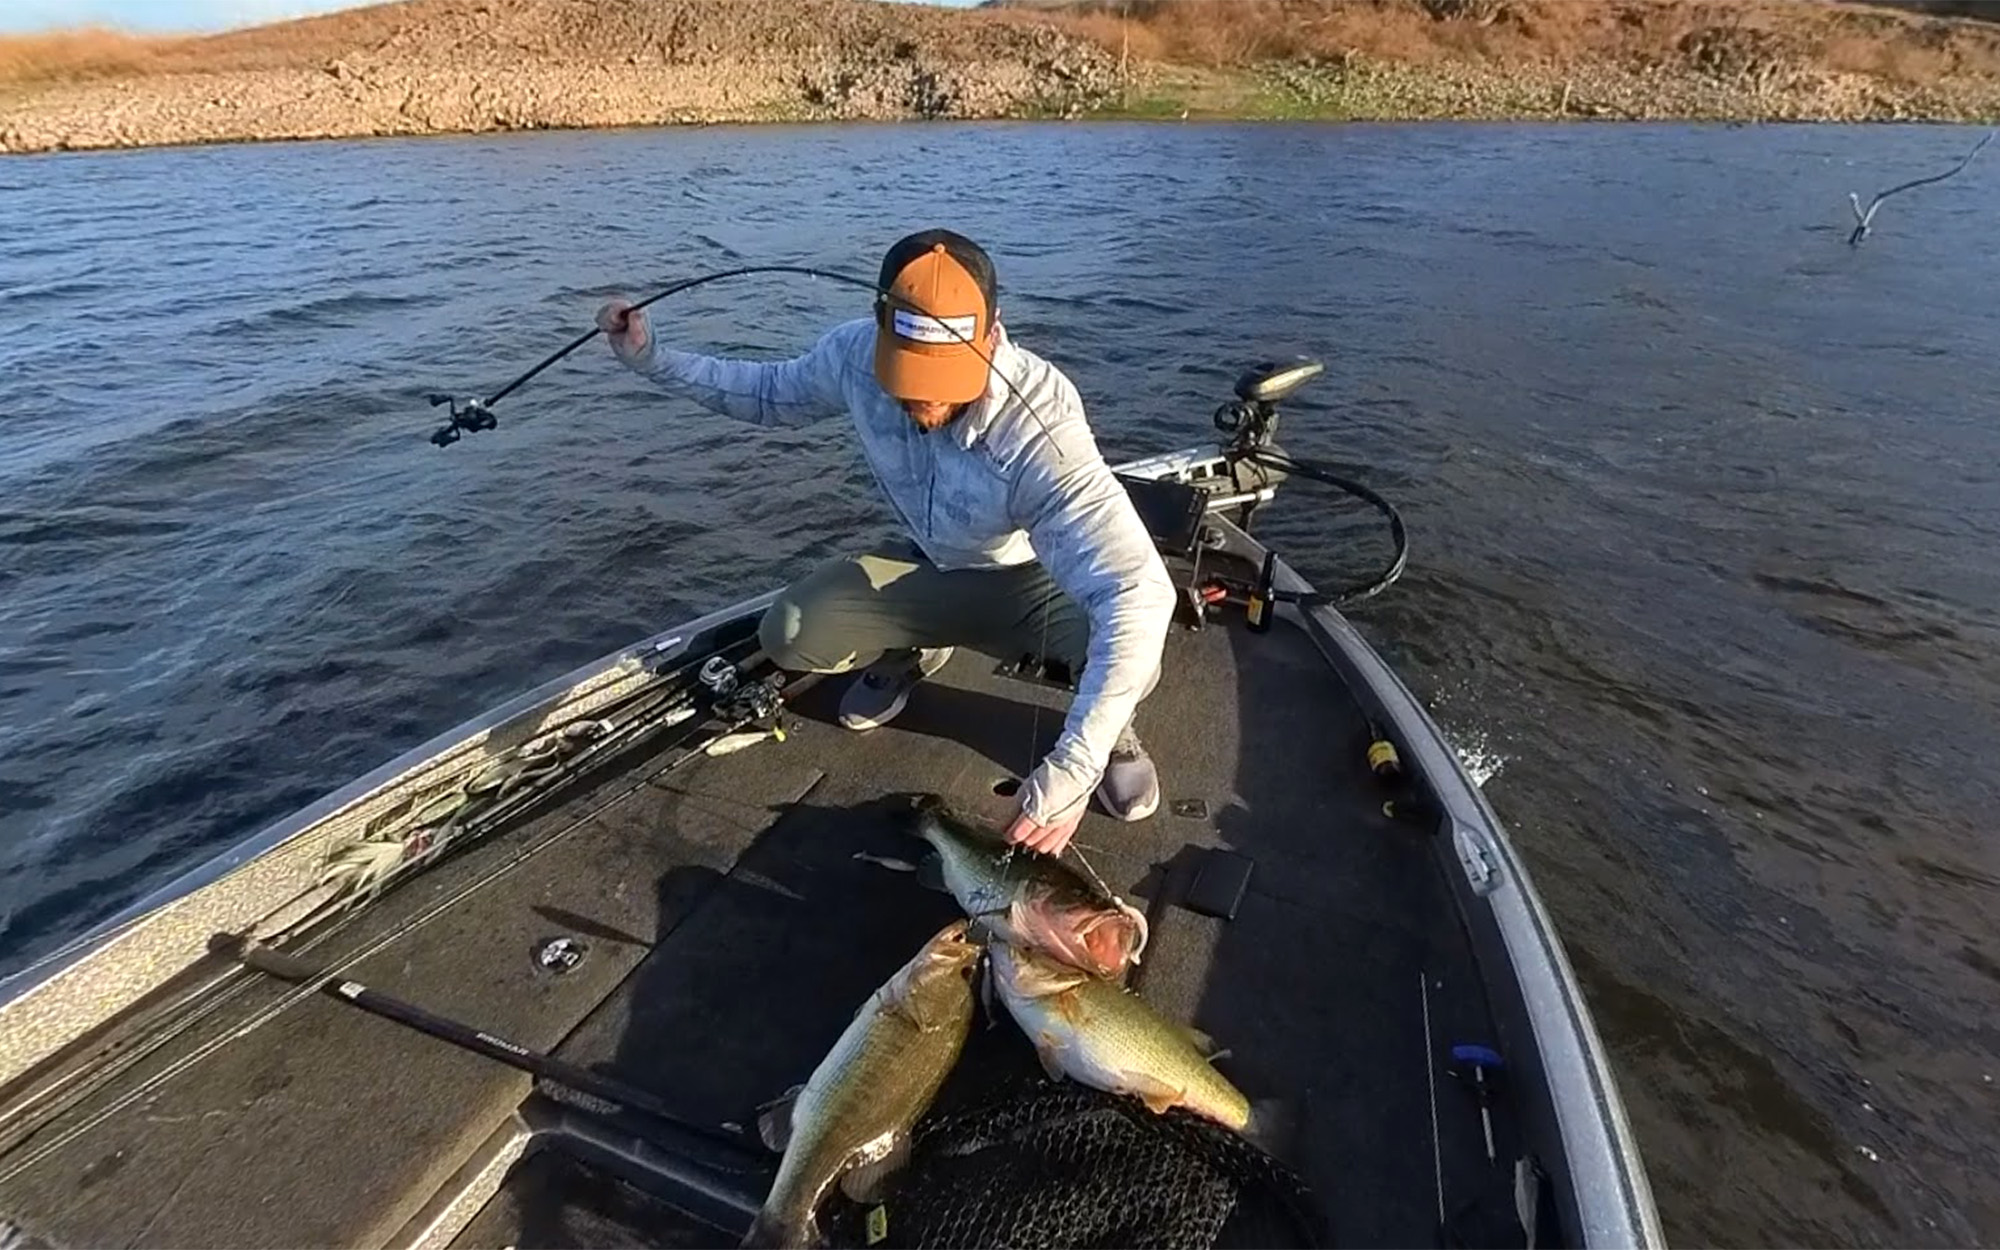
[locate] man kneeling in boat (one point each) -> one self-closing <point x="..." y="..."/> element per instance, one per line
<point x="1023" y="540"/>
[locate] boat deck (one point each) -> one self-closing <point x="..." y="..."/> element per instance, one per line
<point x="732" y="932"/>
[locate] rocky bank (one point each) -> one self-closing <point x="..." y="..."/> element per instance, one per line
<point x="465" y="66"/>
<point x="434" y="66"/>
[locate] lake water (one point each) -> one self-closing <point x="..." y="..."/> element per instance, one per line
<point x="1705" y="509"/>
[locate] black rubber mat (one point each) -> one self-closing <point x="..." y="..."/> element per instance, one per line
<point x="551" y="1201"/>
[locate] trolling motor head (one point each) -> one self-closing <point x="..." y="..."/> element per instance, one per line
<point x="468" y="416"/>
<point x="1251" y="419"/>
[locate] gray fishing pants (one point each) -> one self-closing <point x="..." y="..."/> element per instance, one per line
<point x="848" y="612"/>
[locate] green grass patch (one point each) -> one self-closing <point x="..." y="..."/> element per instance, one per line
<point x="1153" y="105"/>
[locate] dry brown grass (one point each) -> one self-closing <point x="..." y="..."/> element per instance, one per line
<point x="416" y="32"/>
<point x="1213" y="33"/>
<point x="72" y="55"/>
<point x="94" y="52"/>
<point x="1242" y="32"/>
<point x="1704" y="35"/>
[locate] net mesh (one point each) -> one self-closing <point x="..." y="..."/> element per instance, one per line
<point x="1070" y="1166"/>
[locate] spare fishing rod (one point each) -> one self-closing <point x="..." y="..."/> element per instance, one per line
<point x="735" y="706"/>
<point x="571" y="1078"/>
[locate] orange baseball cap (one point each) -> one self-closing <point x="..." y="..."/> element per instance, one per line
<point x="930" y="330"/>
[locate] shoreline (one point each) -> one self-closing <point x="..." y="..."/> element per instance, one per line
<point x="207" y="110"/>
<point x="1359" y="89"/>
<point x="1108" y="117"/>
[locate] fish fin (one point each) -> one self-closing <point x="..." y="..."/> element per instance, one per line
<point x="863" y="1182"/>
<point x="1039" y="978"/>
<point x="918" y="1009"/>
<point x="1069" y="1005"/>
<point x="917" y="1013"/>
<point x="774" y="1120"/>
<point x="885" y="861"/>
<point x="1049" y="1051"/>
<point x="1158" y="1096"/>
<point x="926" y="818"/>
<point x="930" y="874"/>
<point x="1202" y="1041"/>
<point x="771" y="1232"/>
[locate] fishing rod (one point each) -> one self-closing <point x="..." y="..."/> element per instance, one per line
<point x="470" y="415"/>
<point x="341" y="987"/>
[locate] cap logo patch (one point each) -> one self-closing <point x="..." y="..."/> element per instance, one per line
<point x="921" y="329"/>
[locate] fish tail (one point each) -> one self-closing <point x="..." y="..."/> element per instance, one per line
<point x="919" y="815"/>
<point x="1272" y="1126"/>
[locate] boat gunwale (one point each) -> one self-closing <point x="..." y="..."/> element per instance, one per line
<point x="1596" y="1132"/>
<point x="62" y="996"/>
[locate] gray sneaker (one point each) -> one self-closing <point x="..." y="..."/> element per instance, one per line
<point x="1130" y="789"/>
<point x="875" y="697"/>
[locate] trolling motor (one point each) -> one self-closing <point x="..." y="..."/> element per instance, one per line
<point x="1251" y="420"/>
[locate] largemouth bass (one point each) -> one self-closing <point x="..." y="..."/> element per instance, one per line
<point x="1031" y="900"/>
<point x="851" y="1121"/>
<point x="1097" y="1033"/>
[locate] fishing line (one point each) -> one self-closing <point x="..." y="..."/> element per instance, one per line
<point x="284" y="501"/>
<point x="471" y="415"/>
<point x="1430" y="1076"/>
<point x="1034" y="744"/>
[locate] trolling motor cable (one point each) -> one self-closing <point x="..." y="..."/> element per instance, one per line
<point x="471" y="415"/>
<point x="1399" y="536"/>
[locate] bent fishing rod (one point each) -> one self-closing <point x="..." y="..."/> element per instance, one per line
<point x="470" y="415"/>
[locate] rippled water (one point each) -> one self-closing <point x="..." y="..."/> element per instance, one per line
<point x="1705" y="508"/>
